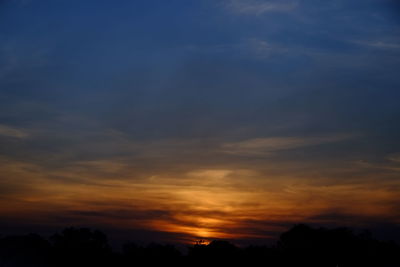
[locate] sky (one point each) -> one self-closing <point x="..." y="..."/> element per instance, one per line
<point x="210" y="119"/>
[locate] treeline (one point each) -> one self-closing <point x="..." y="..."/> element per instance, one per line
<point x="300" y="246"/>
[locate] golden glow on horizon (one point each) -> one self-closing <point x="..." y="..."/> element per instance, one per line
<point x="199" y="204"/>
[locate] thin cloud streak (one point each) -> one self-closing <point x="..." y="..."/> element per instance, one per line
<point x="259" y="7"/>
<point x="8" y="131"/>
<point x="260" y="146"/>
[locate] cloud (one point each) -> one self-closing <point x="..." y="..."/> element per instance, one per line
<point x="379" y="44"/>
<point x="258" y="7"/>
<point x="389" y="164"/>
<point x="12" y="132"/>
<point x="262" y="49"/>
<point x="200" y="202"/>
<point x="261" y="146"/>
<point x="394" y="158"/>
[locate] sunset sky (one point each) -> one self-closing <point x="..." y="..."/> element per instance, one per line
<point x="179" y="120"/>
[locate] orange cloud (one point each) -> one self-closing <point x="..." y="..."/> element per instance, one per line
<point x="234" y="203"/>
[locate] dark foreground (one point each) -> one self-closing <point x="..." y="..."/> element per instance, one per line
<point x="300" y="246"/>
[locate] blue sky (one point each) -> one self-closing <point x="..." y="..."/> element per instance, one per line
<point x="294" y="95"/>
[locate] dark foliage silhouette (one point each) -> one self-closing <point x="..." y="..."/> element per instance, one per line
<point x="336" y="247"/>
<point x="218" y="252"/>
<point x="29" y="250"/>
<point x="300" y="246"/>
<point x="153" y="254"/>
<point x="80" y="247"/>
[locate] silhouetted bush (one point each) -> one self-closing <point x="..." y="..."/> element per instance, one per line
<point x="27" y="250"/>
<point x="221" y="252"/>
<point x="152" y="254"/>
<point x="80" y="247"/>
<point x="337" y="247"/>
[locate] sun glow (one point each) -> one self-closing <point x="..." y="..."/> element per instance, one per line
<point x="198" y="204"/>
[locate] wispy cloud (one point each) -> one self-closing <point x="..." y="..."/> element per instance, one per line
<point x="254" y="48"/>
<point x="259" y="7"/>
<point x="394" y="158"/>
<point x="378" y="44"/>
<point x="261" y="146"/>
<point x="390" y="163"/>
<point x="12" y="132"/>
<point x="262" y="49"/>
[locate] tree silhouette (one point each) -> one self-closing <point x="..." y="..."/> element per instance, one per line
<point x="302" y="245"/>
<point x="80" y="247"/>
<point x="337" y="247"/>
<point x="153" y="254"/>
<point x="27" y="250"/>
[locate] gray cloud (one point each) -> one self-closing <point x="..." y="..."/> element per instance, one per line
<point x="13" y="132"/>
<point x="267" y="145"/>
<point x="259" y="7"/>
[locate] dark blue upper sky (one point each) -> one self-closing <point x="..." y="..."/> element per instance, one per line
<point x="220" y="63"/>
